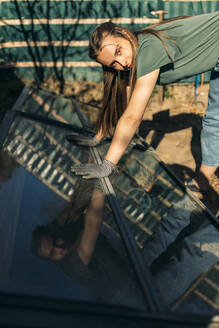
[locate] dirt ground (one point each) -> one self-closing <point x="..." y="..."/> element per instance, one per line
<point x="172" y="126"/>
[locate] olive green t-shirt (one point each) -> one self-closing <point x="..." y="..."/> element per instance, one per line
<point x="197" y="48"/>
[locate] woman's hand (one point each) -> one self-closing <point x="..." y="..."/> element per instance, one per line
<point x="90" y="171"/>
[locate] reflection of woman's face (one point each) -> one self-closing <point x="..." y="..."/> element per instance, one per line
<point x="49" y="251"/>
<point x="116" y="52"/>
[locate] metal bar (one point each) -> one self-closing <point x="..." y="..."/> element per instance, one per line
<point x="151" y="296"/>
<point x="50" y="121"/>
<point x="86" y="104"/>
<point x="26" y="303"/>
<point x="150" y="293"/>
<point x="81" y="117"/>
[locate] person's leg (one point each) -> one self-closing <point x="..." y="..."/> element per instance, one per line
<point x="172" y="223"/>
<point x="197" y="253"/>
<point x="210" y="135"/>
<point x="204" y="175"/>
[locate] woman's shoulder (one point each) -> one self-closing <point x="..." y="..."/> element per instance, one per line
<point x="144" y="37"/>
<point x="148" y="42"/>
<point x="151" y="45"/>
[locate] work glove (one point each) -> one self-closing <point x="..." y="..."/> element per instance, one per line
<point x="90" y="171"/>
<point x="82" y="140"/>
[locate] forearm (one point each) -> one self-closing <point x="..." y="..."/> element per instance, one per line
<point x="94" y="213"/>
<point x="93" y="222"/>
<point x="132" y="117"/>
<point x="124" y="133"/>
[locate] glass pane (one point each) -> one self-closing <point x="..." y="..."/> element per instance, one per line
<point x="54" y="239"/>
<point x="175" y="238"/>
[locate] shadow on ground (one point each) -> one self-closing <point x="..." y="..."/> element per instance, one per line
<point x="11" y="87"/>
<point x="162" y="124"/>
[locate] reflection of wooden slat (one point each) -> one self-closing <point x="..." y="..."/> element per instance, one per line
<point x="198" y="289"/>
<point x="81" y="21"/>
<point x="156" y="216"/>
<point x="53" y="140"/>
<point x="47" y="107"/>
<point x="68" y="198"/>
<point x="53" y="112"/>
<point x="212" y="284"/>
<point x="43" y="156"/>
<point x="137" y="224"/>
<point x="133" y="220"/>
<point x="64" y="150"/>
<point x="161" y="178"/>
<point x="164" y="201"/>
<point x="206" y="299"/>
<point x="126" y="194"/>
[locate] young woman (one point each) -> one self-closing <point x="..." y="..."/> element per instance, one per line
<point x="163" y="53"/>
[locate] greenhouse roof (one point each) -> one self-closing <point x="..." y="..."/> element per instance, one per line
<point x="149" y="220"/>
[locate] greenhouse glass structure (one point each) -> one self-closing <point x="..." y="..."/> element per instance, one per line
<point x="155" y="260"/>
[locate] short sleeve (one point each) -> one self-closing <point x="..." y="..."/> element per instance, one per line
<point x="151" y="55"/>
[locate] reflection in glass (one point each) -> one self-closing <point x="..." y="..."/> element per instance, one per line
<point x="71" y="228"/>
<point x="87" y="251"/>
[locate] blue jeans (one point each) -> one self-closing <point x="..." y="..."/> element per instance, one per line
<point x="210" y="123"/>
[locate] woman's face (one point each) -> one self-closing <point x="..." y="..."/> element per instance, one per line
<point x="116" y="52"/>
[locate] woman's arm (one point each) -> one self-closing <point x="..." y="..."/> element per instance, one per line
<point x="125" y="129"/>
<point x="79" y="202"/>
<point x="132" y="117"/>
<point x="93" y="222"/>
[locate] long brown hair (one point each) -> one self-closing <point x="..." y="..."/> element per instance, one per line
<point x="115" y="82"/>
